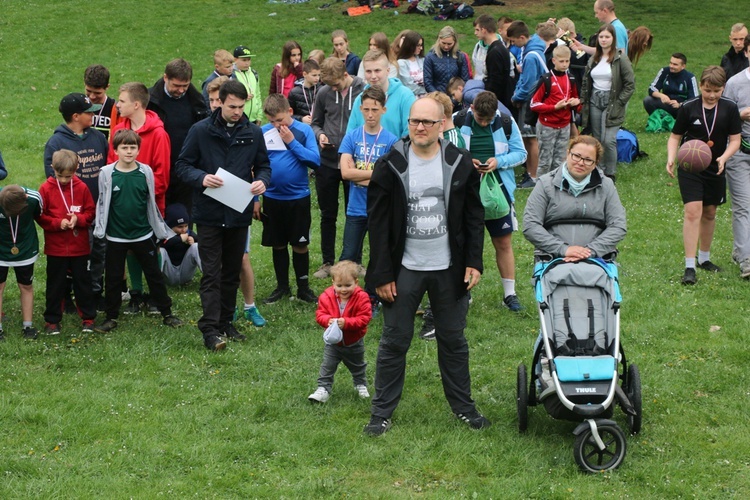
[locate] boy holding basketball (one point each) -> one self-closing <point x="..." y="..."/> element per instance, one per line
<point x="716" y="121"/>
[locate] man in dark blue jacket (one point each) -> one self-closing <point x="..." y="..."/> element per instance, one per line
<point x="672" y="86"/>
<point x="229" y="140"/>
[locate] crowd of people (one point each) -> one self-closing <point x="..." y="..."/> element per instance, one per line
<point x="408" y="137"/>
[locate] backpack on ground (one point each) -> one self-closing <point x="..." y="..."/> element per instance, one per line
<point x="628" y="149"/>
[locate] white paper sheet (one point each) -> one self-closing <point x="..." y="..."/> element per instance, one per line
<point x="235" y="193"/>
<point x="273" y="140"/>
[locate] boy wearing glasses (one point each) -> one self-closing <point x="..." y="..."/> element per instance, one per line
<point x="494" y="152"/>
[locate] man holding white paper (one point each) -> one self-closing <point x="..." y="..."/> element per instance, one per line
<point x="227" y="142"/>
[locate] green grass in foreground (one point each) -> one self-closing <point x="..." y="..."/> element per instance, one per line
<point x="146" y="412"/>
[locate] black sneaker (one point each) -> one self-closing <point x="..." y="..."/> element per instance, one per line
<point x="474" y="419"/>
<point x="134" y="306"/>
<point x="689" y="277"/>
<point x="232" y="334"/>
<point x="172" y="321"/>
<point x="106" y="327"/>
<point x="277" y="295"/>
<point x="29" y="332"/>
<point x="2" y="335"/>
<point x="377" y="426"/>
<point x="710" y="266"/>
<point x="512" y="303"/>
<point x="428" y="327"/>
<point x="307" y="295"/>
<point x="214" y="343"/>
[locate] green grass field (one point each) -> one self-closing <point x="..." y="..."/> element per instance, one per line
<point x="147" y="412"/>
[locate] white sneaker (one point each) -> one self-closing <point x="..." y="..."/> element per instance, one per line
<point x="362" y="390"/>
<point x="745" y="268"/>
<point x="320" y="395"/>
<point x="323" y="272"/>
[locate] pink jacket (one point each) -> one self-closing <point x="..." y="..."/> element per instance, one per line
<point x="357" y="313"/>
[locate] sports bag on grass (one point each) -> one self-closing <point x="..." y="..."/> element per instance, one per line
<point x="492" y="196"/>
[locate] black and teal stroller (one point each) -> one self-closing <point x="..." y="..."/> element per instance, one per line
<point x="580" y="369"/>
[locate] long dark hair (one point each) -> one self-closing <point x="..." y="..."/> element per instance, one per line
<point x="409" y="44"/>
<point x="599" y="53"/>
<point x="286" y="58"/>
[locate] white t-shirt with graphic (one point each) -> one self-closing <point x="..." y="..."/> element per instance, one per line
<point x="427" y="247"/>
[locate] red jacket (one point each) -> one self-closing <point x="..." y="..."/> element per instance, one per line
<point x="64" y="242"/>
<point x="560" y="87"/>
<point x="155" y="152"/>
<point x="357" y="313"/>
<point x="284" y="84"/>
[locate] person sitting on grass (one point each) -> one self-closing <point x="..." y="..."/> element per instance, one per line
<point x="347" y="305"/>
<point x="179" y="254"/>
<point x="126" y="193"/>
<point x="19" y="248"/>
<point x="672" y="86"/>
<point x="716" y="121"/>
<point x="67" y="217"/>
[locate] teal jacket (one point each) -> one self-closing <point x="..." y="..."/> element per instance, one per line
<point x="397" y="110"/>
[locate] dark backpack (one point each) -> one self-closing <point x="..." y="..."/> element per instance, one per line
<point x="464" y="11"/>
<point x="507" y="121"/>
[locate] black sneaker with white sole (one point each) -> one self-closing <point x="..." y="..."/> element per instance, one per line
<point x="377" y="426"/>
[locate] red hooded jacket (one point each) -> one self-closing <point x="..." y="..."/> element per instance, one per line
<point x="155" y="152"/>
<point x="357" y="313"/>
<point x="65" y="242"/>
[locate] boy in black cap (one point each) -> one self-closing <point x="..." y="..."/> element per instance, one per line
<point x="249" y="78"/>
<point x="78" y="135"/>
<point x="179" y="254"/>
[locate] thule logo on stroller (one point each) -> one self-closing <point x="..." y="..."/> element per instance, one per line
<point x="586" y="390"/>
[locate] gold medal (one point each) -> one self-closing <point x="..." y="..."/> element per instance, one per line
<point x="710" y="144"/>
<point x="14" y="250"/>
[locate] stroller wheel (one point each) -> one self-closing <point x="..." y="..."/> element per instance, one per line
<point x="588" y="455"/>
<point x="522" y="398"/>
<point x="633" y="391"/>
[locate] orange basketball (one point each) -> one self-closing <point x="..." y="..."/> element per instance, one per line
<point x="694" y="156"/>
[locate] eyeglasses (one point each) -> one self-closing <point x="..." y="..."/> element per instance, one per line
<point x="414" y="122"/>
<point x="580" y="159"/>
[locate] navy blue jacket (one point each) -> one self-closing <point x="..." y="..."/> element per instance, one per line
<point x="438" y="71"/>
<point x="208" y="147"/>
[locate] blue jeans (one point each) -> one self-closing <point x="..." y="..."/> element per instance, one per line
<point x="354" y="237"/>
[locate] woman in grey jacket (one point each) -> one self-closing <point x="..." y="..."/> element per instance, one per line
<point x="607" y="86"/>
<point x="574" y="212"/>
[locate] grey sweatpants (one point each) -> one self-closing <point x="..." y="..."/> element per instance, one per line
<point x="738" y="177"/>
<point x="179" y="275"/>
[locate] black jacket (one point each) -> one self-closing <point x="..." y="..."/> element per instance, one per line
<point x="302" y="100"/>
<point x="207" y="147"/>
<point x="498" y="79"/>
<point x="733" y="62"/>
<point x="157" y="95"/>
<point x="387" y="210"/>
